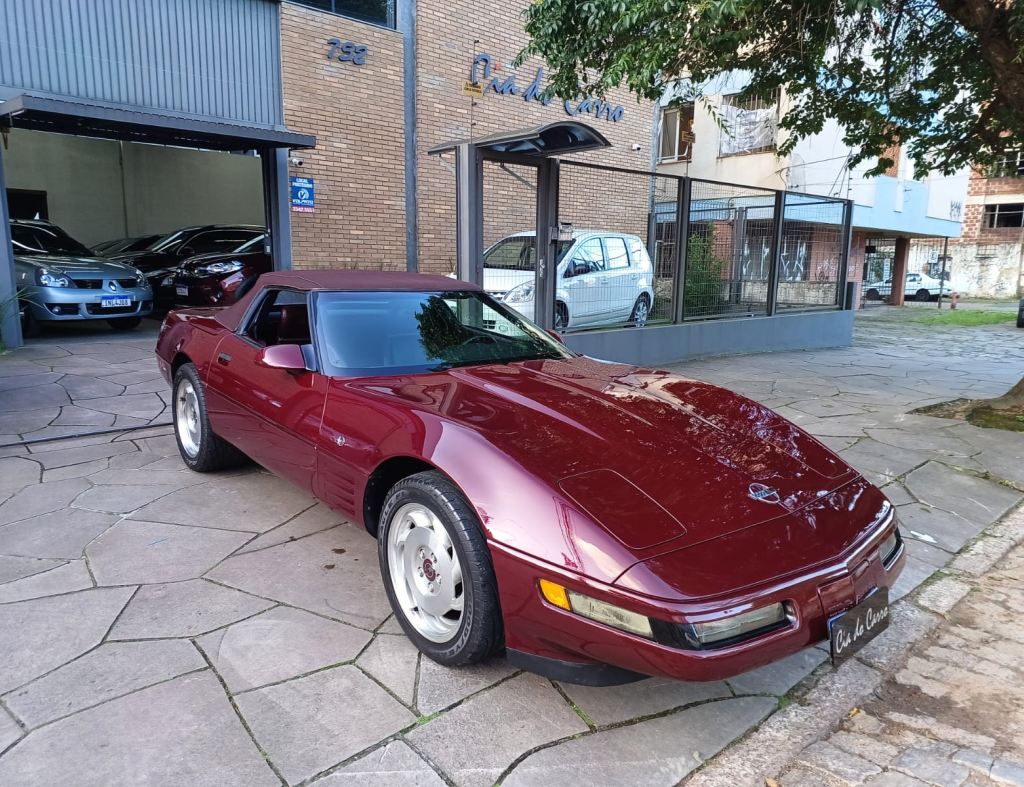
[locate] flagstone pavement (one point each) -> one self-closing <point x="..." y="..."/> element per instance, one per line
<point x="163" y="627"/>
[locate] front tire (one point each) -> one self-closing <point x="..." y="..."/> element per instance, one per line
<point x="437" y="571"/>
<point x="561" y="317"/>
<point x="30" y="326"/>
<point x="200" y="448"/>
<point x="873" y="295"/>
<point x="922" y="295"/>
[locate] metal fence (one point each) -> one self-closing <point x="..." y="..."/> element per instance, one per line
<point x="749" y="252"/>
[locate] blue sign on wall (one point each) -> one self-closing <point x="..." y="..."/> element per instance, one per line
<point x="303" y="195"/>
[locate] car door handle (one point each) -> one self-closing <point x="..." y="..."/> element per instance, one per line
<point x="223" y="359"/>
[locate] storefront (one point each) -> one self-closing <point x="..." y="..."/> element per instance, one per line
<point x="141" y="117"/>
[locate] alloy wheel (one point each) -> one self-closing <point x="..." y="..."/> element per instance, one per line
<point x="426" y="575"/>
<point x="186" y="418"/>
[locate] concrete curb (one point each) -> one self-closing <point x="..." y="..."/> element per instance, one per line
<point x="767" y="751"/>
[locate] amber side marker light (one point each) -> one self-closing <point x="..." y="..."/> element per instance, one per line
<point x="555" y="594"/>
<point x="591" y="608"/>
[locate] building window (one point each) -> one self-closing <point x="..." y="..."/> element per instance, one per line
<point x="1010" y="214"/>
<point x="1010" y="165"/>
<point x="677" y="134"/>
<point x="748" y="124"/>
<point x="377" y="12"/>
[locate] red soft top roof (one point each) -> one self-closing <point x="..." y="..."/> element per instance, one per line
<point x="340" y="280"/>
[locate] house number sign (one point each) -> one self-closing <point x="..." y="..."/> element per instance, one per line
<point x="346" y="51"/>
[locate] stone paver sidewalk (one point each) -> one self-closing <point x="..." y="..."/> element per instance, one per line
<point x="953" y="713"/>
<point x="58" y="387"/>
<point x="164" y="627"/>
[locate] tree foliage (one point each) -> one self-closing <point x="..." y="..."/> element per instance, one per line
<point x="943" y="78"/>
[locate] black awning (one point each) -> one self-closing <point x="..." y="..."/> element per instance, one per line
<point x="566" y="136"/>
<point x="96" y="119"/>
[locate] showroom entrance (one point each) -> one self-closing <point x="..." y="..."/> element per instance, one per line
<point x="121" y="181"/>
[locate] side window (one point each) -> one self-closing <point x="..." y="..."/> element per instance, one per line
<point x="589" y="258"/>
<point x="639" y="254"/>
<point x="281" y="318"/>
<point x="615" y="251"/>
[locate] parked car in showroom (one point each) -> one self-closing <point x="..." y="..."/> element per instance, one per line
<point x="595" y="520"/>
<point x="919" y="286"/>
<point x="59" y="279"/>
<point x="124" y="245"/>
<point x="602" y="278"/>
<point x="221" y="279"/>
<point x="161" y="260"/>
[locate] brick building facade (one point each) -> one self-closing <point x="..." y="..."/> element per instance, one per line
<point x="356" y="112"/>
<point x="988" y="259"/>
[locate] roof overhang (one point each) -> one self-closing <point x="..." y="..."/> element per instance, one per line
<point x="107" y="121"/>
<point x="552" y="139"/>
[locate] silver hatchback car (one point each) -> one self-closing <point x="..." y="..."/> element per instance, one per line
<point x="59" y="279"/>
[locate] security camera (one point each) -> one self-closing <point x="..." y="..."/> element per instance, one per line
<point x="637" y="147"/>
<point x="295" y="161"/>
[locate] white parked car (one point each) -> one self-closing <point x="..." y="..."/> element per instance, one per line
<point x="603" y="278"/>
<point x="919" y="286"/>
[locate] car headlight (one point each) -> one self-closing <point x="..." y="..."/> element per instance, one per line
<point x="601" y="611"/>
<point x="48" y="278"/>
<point x="890" y="548"/>
<point x="217" y="268"/>
<point x="521" y="294"/>
<point x="734" y="626"/>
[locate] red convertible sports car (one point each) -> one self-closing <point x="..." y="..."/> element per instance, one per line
<point x="597" y="520"/>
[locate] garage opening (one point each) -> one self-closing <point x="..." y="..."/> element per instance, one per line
<point x="113" y="216"/>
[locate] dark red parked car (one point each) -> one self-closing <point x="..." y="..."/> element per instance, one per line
<point x="221" y="279"/>
<point x="597" y="520"/>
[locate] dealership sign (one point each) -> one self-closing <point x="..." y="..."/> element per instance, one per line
<point x="481" y="74"/>
<point x="303" y="194"/>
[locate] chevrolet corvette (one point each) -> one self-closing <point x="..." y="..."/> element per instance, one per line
<point x="596" y="521"/>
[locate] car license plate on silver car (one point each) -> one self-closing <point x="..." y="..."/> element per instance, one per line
<point x="849" y="631"/>
<point x="181" y="290"/>
<point x="114" y="302"/>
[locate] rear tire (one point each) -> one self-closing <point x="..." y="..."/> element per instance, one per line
<point x="437" y="571"/>
<point x="872" y="295"/>
<point x="641" y="312"/>
<point x="200" y="448"/>
<point x="125" y="323"/>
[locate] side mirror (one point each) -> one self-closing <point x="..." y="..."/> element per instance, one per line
<point x="288" y="357"/>
<point x="555" y="335"/>
<point x="577" y="268"/>
<point x="187" y="251"/>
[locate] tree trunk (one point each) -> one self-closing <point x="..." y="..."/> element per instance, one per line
<point x="1012" y="399"/>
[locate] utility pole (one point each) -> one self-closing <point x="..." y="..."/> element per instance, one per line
<point x="942" y="275"/>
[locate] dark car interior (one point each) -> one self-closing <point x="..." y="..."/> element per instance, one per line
<point x="283" y="318"/>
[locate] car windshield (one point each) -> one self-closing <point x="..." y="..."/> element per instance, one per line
<point x="256" y="244"/>
<point x="45" y="239"/>
<point x="518" y="253"/>
<point x="383" y="333"/>
<point x="169" y="241"/>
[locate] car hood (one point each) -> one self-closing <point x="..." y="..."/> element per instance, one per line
<point x="651" y="457"/>
<point x="505" y="279"/>
<point x="74" y="266"/>
<point x="205" y="259"/>
<point x="147" y="261"/>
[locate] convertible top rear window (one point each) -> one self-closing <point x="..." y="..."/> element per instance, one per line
<point x="384" y="333"/>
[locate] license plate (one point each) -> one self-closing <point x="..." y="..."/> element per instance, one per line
<point x="113" y="303"/>
<point x="181" y="290"/>
<point x="849" y="631"/>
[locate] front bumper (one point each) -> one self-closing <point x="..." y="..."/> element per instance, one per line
<point x="74" y="303"/>
<point x="541" y="633"/>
